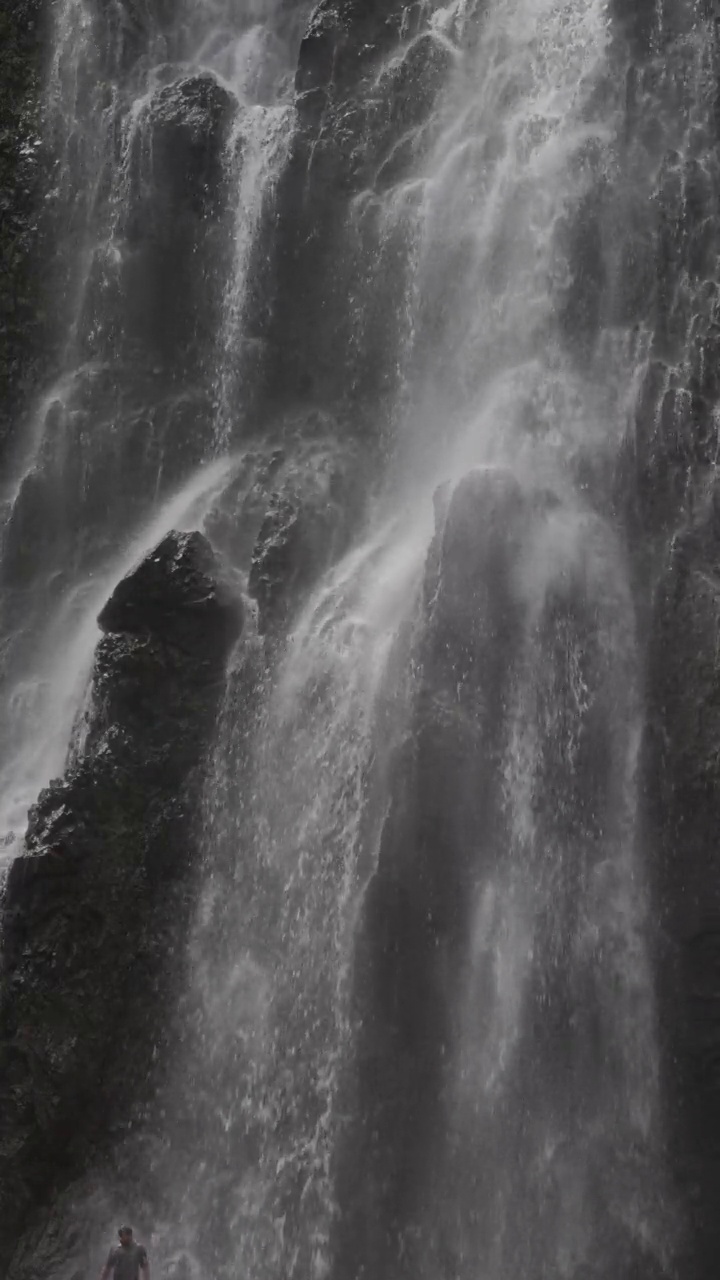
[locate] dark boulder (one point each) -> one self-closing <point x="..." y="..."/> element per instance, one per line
<point x="97" y="907"/>
<point x="188" y="122"/>
<point x="177" y="596"/>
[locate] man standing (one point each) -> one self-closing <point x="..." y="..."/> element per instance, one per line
<point x="128" y="1260"/>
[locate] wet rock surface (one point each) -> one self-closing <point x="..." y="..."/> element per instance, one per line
<point x="415" y="915"/>
<point x="93" y="913"/>
<point x="368" y="79"/>
<point x="22" y="328"/>
<point x="177" y="596"/>
<point x="72" y="509"/>
<point x="449" y="845"/>
<point x="170" y="284"/>
<point x="682" y="797"/>
<point x="310" y="517"/>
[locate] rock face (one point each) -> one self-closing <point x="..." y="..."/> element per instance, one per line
<point x="71" y="511"/>
<point x="682" y="783"/>
<point x="310" y="516"/>
<point x="94" y="913"/>
<point x="501" y="658"/>
<point x="415" y="918"/>
<point x="669" y="488"/>
<point x="95" y="910"/>
<point x="21" y="316"/>
<point x="170" y="283"/>
<point x="176" y="597"/>
<point x="368" y="79"/>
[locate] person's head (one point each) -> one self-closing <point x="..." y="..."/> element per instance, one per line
<point x="125" y="1235"/>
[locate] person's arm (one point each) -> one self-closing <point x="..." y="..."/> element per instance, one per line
<point x="145" y="1267"/>
<point x="107" y="1269"/>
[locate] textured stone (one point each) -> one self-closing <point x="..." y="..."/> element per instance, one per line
<point x="177" y="596"/>
<point x="681" y="778"/>
<point x="368" y="79"/>
<point x="169" y="289"/>
<point x="306" y="526"/>
<point x="22" y="243"/>
<point x="94" y="911"/>
<point x="79" y="500"/>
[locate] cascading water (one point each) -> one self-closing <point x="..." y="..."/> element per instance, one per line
<point x="118" y="444"/>
<point x="253" y="1191"/>
<point x="418" y="1030"/>
<point x="544" y="1155"/>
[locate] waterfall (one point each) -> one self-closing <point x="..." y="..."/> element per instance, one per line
<point x="117" y="447"/>
<point x="403" y="305"/>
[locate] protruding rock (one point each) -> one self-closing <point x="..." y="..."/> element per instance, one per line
<point x="174" y="256"/>
<point x="178" y="593"/>
<point x="188" y="122"/>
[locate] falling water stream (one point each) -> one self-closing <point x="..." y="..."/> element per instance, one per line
<point x="519" y="368"/>
<point x="100" y="105"/>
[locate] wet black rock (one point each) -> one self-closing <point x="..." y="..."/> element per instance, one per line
<point x="96" y="909"/>
<point x="188" y="128"/>
<point x="312" y="511"/>
<point x="233" y="522"/>
<point x="162" y="301"/>
<point x="22" y="158"/>
<point x="345" y="39"/>
<point x="77" y="502"/>
<point x="368" y="80"/>
<point x="417" y="905"/>
<point x="176" y="595"/>
<point x="682" y="798"/>
<point x="449" y="841"/>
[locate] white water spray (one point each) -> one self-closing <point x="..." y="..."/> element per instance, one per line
<point x="43" y="708"/>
